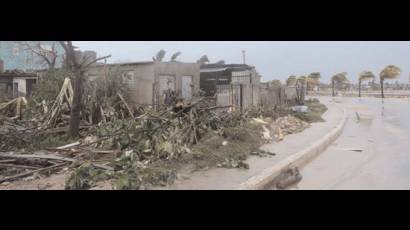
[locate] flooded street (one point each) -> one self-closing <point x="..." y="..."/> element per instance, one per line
<point x="372" y="153"/>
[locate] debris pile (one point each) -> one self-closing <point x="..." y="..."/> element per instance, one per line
<point x="133" y="147"/>
<point x="287" y="125"/>
<point x="15" y="166"/>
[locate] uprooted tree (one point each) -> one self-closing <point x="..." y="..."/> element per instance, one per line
<point x="78" y="65"/>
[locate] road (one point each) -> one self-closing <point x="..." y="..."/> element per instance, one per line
<point x="383" y="135"/>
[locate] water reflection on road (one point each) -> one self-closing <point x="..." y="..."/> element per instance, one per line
<point x="383" y="133"/>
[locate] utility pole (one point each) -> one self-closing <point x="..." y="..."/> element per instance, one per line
<point x="243" y="56"/>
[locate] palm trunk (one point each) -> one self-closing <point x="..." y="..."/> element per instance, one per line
<point x="76" y="108"/>
<point x="333" y="88"/>
<point x="360" y="87"/>
<point x="307" y="88"/>
<point x="381" y="87"/>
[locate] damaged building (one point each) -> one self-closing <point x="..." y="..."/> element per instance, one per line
<point x="148" y="81"/>
<point x="235" y="85"/>
<point x="16" y="83"/>
<point x="19" y="66"/>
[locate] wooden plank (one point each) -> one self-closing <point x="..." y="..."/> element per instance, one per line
<point x="69" y="145"/>
<point x="126" y="105"/>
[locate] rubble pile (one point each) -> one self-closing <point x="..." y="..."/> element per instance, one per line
<point x="287" y="125"/>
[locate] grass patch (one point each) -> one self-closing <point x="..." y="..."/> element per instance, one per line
<point x="315" y="112"/>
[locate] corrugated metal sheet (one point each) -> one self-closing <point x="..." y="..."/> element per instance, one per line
<point x="241" y="73"/>
<point x="213" y="70"/>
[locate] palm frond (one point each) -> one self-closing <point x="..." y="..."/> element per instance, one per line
<point x="175" y="55"/>
<point x="390" y="72"/>
<point x="366" y="75"/>
<point x="340" y="77"/>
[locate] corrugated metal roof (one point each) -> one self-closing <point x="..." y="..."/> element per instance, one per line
<point x="213" y="70"/>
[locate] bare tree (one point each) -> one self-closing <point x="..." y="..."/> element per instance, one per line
<point x="48" y="56"/>
<point x="78" y="65"/>
<point x="364" y="76"/>
<point x="389" y="72"/>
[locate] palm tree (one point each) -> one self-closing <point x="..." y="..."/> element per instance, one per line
<point x="276" y="83"/>
<point x="312" y="79"/>
<point x="159" y="56"/>
<point x="203" y="59"/>
<point x="175" y="55"/>
<point x="291" y="81"/>
<point x="338" y="79"/>
<point x="364" y="76"/>
<point x="389" y="72"/>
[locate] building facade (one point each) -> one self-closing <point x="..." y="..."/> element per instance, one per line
<point x="236" y="85"/>
<point x="148" y="81"/>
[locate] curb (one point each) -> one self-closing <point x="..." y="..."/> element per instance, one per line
<point x="298" y="159"/>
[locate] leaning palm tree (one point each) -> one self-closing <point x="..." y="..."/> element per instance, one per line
<point x="203" y="59"/>
<point x="291" y="81"/>
<point x="389" y="72"/>
<point x="159" y="56"/>
<point x="338" y="79"/>
<point x="364" y="76"/>
<point x="221" y="62"/>
<point x="175" y="55"/>
<point x="312" y="79"/>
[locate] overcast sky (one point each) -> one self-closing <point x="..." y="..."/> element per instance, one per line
<point x="272" y="59"/>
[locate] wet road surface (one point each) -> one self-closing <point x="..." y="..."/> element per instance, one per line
<point x="382" y="140"/>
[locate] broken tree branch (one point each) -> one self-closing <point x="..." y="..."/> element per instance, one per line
<point x="31" y="172"/>
<point x="126" y="105"/>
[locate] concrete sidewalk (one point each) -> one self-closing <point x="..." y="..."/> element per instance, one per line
<point x="226" y="179"/>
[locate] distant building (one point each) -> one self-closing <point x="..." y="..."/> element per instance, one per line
<point x="233" y="84"/>
<point x="148" y="81"/>
<point x="15" y="55"/>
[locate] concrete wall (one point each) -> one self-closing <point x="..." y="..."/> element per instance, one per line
<point x="21" y="87"/>
<point x="271" y="95"/>
<point x="229" y="93"/>
<point x="179" y="70"/>
<point x="143" y="78"/>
